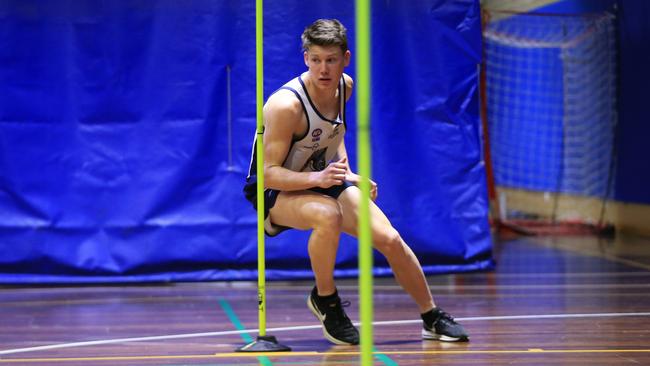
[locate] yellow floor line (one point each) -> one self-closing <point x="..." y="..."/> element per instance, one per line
<point x="316" y="354"/>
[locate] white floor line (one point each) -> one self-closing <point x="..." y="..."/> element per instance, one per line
<point x="305" y="327"/>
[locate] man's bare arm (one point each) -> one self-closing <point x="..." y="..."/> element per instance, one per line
<point x="282" y="117"/>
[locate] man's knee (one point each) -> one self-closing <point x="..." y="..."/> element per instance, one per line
<point x="389" y="242"/>
<point x="327" y="216"/>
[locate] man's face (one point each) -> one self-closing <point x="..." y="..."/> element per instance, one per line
<point x="326" y="64"/>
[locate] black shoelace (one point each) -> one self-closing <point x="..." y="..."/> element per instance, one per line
<point x="338" y="313"/>
<point x="444" y="316"/>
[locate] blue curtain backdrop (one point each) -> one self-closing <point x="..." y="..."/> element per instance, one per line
<point x="126" y="130"/>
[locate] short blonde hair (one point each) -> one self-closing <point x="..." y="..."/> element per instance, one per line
<point x="325" y="32"/>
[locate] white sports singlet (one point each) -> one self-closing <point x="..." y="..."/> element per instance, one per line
<point x="318" y="146"/>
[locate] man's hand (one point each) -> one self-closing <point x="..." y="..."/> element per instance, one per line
<point x="356" y="179"/>
<point x="334" y="174"/>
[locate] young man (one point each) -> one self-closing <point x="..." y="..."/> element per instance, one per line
<point x="309" y="185"/>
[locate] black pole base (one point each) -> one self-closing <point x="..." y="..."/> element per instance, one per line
<point x="264" y="344"/>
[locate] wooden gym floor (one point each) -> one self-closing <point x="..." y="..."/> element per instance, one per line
<point x="550" y="301"/>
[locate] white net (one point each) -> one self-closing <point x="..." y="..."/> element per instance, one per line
<point x="551" y="112"/>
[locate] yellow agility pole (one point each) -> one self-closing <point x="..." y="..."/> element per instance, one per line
<point x="362" y="14"/>
<point x="264" y="343"/>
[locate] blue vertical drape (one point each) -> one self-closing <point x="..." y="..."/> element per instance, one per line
<point x="126" y="130"/>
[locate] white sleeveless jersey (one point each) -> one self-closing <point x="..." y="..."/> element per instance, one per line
<point x="318" y="146"/>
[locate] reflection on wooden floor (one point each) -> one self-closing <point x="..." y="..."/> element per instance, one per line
<point x="556" y="301"/>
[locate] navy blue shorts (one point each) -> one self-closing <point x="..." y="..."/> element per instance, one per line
<point x="271" y="195"/>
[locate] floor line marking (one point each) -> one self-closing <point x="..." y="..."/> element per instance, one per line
<point x="234" y="319"/>
<point x="521" y="286"/>
<point x="315" y="354"/>
<point x="305" y="327"/>
<point x="383" y="357"/>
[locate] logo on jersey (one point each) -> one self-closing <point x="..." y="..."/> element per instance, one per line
<point x="316" y="161"/>
<point x="312" y="147"/>
<point x="335" y="133"/>
<point x="315" y="135"/>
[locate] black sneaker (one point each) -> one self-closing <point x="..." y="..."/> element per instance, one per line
<point x="444" y="328"/>
<point x="337" y="327"/>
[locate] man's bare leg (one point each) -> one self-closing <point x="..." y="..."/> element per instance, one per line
<point x="402" y="260"/>
<point x="308" y="210"/>
<point x="322" y="214"/>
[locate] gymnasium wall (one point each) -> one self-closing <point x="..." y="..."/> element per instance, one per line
<point x="577" y="6"/>
<point x="126" y="130"/>
<point x="633" y="175"/>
